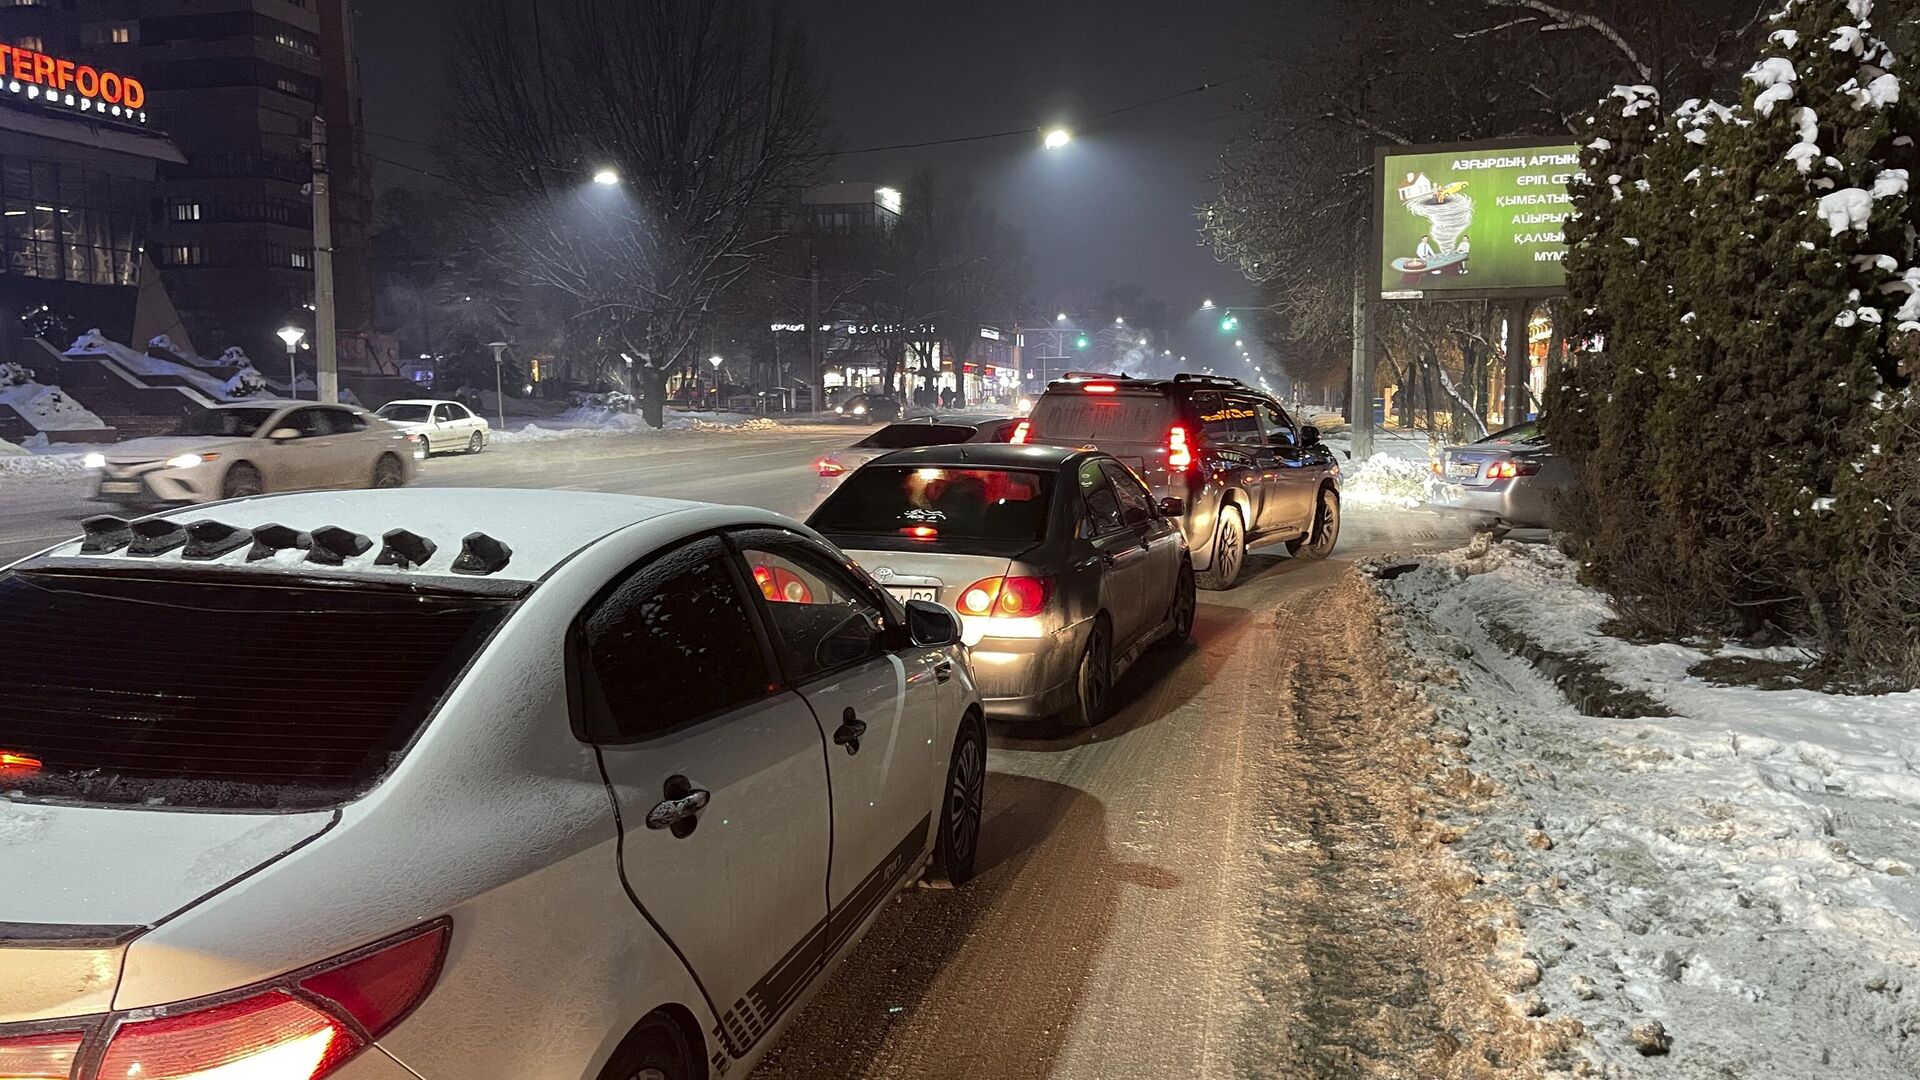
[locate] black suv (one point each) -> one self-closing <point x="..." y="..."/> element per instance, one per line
<point x="1244" y="470"/>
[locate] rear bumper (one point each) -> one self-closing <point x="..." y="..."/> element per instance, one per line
<point x="1028" y="678"/>
<point x="1516" y="502"/>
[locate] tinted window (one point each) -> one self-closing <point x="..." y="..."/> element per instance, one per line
<point x="236" y="423"/>
<point x="457" y="411"/>
<point x="313" y="423"/>
<point x="1277" y="425"/>
<point x="820" y="616"/>
<point x="1523" y="434"/>
<point x="1136" y="506"/>
<point x="907" y="436"/>
<point x="404" y="414"/>
<point x="351" y="421"/>
<point x="1232" y="421"/>
<point x="1073" y="418"/>
<point x="670" y="644"/>
<point x="229" y="695"/>
<point x="957" y="504"/>
<point x="1101" y="508"/>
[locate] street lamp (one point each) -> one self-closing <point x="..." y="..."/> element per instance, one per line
<point x="632" y="395"/>
<point x="292" y="335"/>
<point x="716" y="361"/>
<point x="1057" y="138"/>
<point x="1118" y="321"/>
<point x="1062" y="317"/>
<point x="606" y="177"/>
<point x="499" y="395"/>
<point x="1239" y="344"/>
<point x="1206" y="305"/>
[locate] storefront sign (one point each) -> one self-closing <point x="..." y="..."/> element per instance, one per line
<point x="26" y="75"/>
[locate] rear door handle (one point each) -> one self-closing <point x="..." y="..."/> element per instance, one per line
<point x="849" y="732"/>
<point x="679" y="808"/>
<point x="943" y="671"/>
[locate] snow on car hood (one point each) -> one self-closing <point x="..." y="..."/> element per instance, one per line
<point x="82" y="882"/>
<point x="166" y="446"/>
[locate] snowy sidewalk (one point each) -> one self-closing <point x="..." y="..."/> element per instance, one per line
<point x="1740" y="872"/>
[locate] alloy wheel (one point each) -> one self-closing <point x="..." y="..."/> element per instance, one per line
<point x="966" y="798"/>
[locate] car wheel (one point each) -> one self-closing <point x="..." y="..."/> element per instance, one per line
<point x="962" y="806"/>
<point x="1093" y="682"/>
<point x="1326" y="527"/>
<point x="1185" y="602"/>
<point x="658" y="1049"/>
<point x="475" y="444"/>
<point x="241" y="481"/>
<point x="387" y="472"/>
<point x="1229" y="551"/>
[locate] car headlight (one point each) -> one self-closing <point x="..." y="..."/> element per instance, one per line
<point x="1026" y="405"/>
<point x="859" y="410"/>
<point x="840" y="409"/>
<point x="94" y="461"/>
<point x="188" y="461"/>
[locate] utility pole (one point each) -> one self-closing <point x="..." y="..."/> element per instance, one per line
<point x="1360" y="395"/>
<point x="819" y="392"/>
<point x="326" y="358"/>
<point x="499" y="393"/>
<point x="1519" y="362"/>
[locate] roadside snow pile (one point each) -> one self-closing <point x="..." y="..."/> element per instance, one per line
<point x="1386" y="480"/>
<point x="758" y="423"/>
<point x="46" y="408"/>
<point x="586" y="420"/>
<point x="1731" y="887"/>
<point x="24" y="462"/>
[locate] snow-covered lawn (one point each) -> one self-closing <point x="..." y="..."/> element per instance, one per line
<point x="587" y="420"/>
<point x="1742" y="871"/>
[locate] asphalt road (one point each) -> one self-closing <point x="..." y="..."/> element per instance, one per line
<point x="1199" y="887"/>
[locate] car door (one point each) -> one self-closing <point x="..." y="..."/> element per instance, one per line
<point x="1295" y="476"/>
<point x="1117" y="551"/>
<point x="718" y="771"/>
<point x="464" y="421"/>
<point x="294" y="463"/>
<point x="1160" y="538"/>
<point x="876" y="699"/>
<point x="1234" y="449"/>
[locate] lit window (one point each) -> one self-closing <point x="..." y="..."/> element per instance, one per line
<point x="302" y="260"/>
<point x="121" y="35"/>
<point x="288" y="86"/>
<point x="185" y="255"/>
<point x="186" y="211"/>
<point x="31" y="43"/>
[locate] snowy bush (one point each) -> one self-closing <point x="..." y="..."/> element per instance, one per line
<point x="247" y="382"/>
<point x="14" y="375"/>
<point x="235" y="356"/>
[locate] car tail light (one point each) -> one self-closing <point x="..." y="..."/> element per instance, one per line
<point x="299" y="1027"/>
<point x="1099" y="388"/>
<point x="829" y="467"/>
<point x="780" y="585"/>
<point x="15" y="761"/>
<point x="40" y="1057"/>
<point x="921" y="532"/>
<point x="1006" y="597"/>
<point x="1507" y="470"/>
<point x="1020" y="432"/>
<point x="1179" y="455"/>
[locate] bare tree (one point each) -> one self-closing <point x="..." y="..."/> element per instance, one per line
<point x="707" y="112"/>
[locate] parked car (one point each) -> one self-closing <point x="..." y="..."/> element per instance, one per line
<point x="869" y="407"/>
<point x="1512" y="477"/>
<point x="459" y="785"/>
<point x="1063" y="568"/>
<point x="1243" y="470"/>
<point x="232" y="451"/>
<point x="927" y="431"/>
<point x="441" y="425"/>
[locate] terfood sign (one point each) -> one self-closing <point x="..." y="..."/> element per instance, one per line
<point x="1480" y="220"/>
<point x="27" y="75"/>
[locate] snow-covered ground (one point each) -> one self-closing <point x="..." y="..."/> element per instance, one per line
<point x="587" y="420"/>
<point x="38" y="460"/>
<point x="1396" y="474"/>
<point x="1742" y="872"/>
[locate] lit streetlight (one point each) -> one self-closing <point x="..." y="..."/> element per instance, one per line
<point x="292" y="335"/>
<point x="606" y="177"/>
<point x="1206" y="305"/>
<point x="716" y="361"/>
<point x="1239" y="344"/>
<point x="1118" y="321"/>
<point x="1062" y="317"/>
<point x="1057" y="138"/>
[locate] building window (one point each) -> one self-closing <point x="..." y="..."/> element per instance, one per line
<point x="121" y="35"/>
<point x="187" y="211"/>
<point x="31" y="43"/>
<point x="301" y="260"/>
<point x="185" y="255"/>
<point x="288" y="86"/>
<point x="61" y="222"/>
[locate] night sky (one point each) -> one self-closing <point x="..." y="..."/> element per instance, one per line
<point x="1116" y="207"/>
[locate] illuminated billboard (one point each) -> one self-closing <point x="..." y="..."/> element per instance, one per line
<point x="1477" y="220"/>
<point x="37" y="78"/>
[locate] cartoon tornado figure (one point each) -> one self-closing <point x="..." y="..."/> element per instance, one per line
<point x="1449" y="211"/>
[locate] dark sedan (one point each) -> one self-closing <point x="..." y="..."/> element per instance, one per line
<point x="1062" y="566"/>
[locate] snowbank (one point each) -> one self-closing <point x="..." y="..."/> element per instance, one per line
<point x="1386" y="479"/>
<point x="32" y="462"/>
<point x="1742" y="871"/>
<point x="587" y="420"/>
<point x="46" y="408"/>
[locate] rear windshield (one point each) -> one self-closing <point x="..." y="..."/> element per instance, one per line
<point x="281" y="695"/>
<point x="956" y="504"/>
<point x="1528" y="433"/>
<point x="907" y="436"/>
<point x="238" y="423"/>
<point x="1077" y="419"/>
<point x="406" y="414"/>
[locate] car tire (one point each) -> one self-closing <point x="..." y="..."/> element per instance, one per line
<point x="963" y="804"/>
<point x="1229" y="551"/>
<point x="656" y="1049"/>
<point x="475" y="444"/>
<point x="1186" y="602"/>
<point x="1326" y="528"/>
<point x="387" y="472"/>
<point x="1092" y="680"/>
<point x="241" y="481"/>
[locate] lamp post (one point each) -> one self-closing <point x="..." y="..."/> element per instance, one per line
<point x="292" y="335"/>
<point x="633" y="396"/>
<point x="499" y="395"/>
<point x="716" y="361"/>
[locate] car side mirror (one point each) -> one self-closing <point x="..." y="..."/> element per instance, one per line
<point x="930" y="625"/>
<point x="1173" y="506"/>
<point x="284" y="434"/>
<point x="1309" y="436"/>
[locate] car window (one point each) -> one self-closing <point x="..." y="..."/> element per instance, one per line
<point x="997" y="432"/>
<point x="443" y="413"/>
<point x="1277" y="426"/>
<point x="1528" y="433"/>
<point x="919" y="433"/>
<point x="1100" y="507"/>
<point x="1136" y="506"/>
<point x="1075" y="418"/>
<point x="131" y="688"/>
<point x="235" y="423"/>
<point x="670" y="643"/>
<point x="820" y="616"/>
<point x="457" y="411"/>
<point x="939" y="504"/>
<point x="310" y="423"/>
<point x="404" y="413"/>
<point x="348" y="420"/>
<point x="1232" y="422"/>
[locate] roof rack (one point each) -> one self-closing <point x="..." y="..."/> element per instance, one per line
<point x="1211" y="380"/>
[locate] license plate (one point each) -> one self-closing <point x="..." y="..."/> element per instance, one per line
<point x="902" y="592"/>
<point x="1468" y="469"/>
<point x="119" y="487"/>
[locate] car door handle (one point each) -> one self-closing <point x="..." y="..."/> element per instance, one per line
<point x="849" y="732"/>
<point x="943" y="671"/>
<point x="679" y="808"/>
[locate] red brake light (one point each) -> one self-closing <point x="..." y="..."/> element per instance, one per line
<point x="921" y="532"/>
<point x="1507" y="470"/>
<point x="1179" y="455"/>
<point x="15" y="761"/>
<point x="782" y="586"/>
<point x="40" y="1057"/>
<point x="1099" y="388"/>
<point x="380" y="989"/>
<point x="1006" y="597"/>
<point x="829" y="467"/>
<point x="1020" y="432"/>
<point x="271" y="1035"/>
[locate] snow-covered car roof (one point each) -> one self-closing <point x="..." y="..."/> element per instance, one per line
<point x="540" y="529"/>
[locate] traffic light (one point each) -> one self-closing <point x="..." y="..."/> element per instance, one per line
<point x="1081" y="342"/>
<point x="1229" y="324"/>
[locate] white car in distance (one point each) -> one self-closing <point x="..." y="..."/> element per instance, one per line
<point x="441" y="425"/>
<point x="376" y="785"/>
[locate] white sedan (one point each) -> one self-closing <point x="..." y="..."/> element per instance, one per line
<point x="441" y="425"/>
<point x="457" y="785"/>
